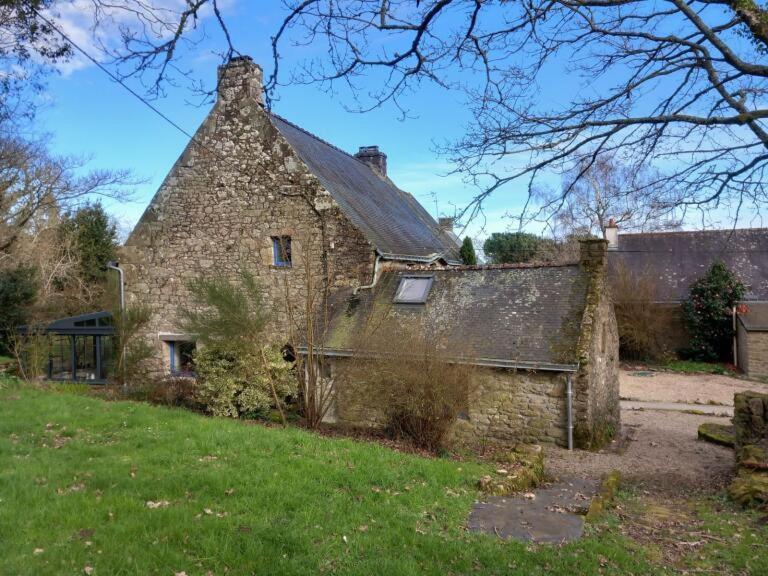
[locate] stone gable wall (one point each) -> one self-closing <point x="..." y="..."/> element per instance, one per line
<point x="596" y="385"/>
<point x="220" y="205"/>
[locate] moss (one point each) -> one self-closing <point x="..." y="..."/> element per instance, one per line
<point x="521" y="469"/>
<point x="753" y="457"/>
<point x="605" y="497"/>
<point x="717" y="434"/>
<point x="750" y="489"/>
<point x="594" y="438"/>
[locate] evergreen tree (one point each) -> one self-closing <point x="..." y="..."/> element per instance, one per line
<point x="467" y="252"/>
<point x="708" y="313"/>
<point x="94" y="235"/>
<point x="512" y="247"/>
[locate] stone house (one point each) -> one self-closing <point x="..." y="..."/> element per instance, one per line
<point x="531" y="332"/>
<point x="253" y="190"/>
<point x="672" y="261"/>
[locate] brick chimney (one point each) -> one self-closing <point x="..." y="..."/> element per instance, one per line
<point x="240" y="77"/>
<point x="612" y="235"/>
<point x="374" y="158"/>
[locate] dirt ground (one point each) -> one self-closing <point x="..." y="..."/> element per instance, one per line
<point x="662" y="454"/>
<point x="690" y="388"/>
<point x="659" y="450"/>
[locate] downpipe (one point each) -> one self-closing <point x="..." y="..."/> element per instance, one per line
<point x="569" y="401"/>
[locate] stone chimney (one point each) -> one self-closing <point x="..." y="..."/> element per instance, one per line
<point x="374" y="158"/>
<point x="593" y="254"/>
<point x="240" y="77"/>
<point x="445" y="223"/>
<point x="612" y="235"/>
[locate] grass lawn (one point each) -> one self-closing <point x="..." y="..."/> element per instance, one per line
<point x="112" y="488"/>
<point x="6" y="359"/>
<point x="692" y="366"/>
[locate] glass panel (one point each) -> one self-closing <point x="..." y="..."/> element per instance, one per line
<point x="281" y="246"/>
<point x="182" y="358"/>
<point x="413" y="290"/>
<point x="85" y="346"/>
<point x="61" y="357"/>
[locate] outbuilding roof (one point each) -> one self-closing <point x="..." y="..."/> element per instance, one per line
<point x="754" y="316"/>
<point x="391" y="219"/>
<point x="674" y="260"/>
<point x="517" y="317"/>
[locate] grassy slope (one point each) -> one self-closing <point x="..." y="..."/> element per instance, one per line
<point x="296" y="496"/>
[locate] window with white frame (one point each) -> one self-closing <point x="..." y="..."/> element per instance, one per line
<point x="413" y="289"/>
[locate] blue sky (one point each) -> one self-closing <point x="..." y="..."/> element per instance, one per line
<point x="88" y="114"/>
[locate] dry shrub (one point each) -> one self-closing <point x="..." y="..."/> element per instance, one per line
<point x="642" y="323"/>
<point x="413" y="381"/>
<point x="173" y="391"/>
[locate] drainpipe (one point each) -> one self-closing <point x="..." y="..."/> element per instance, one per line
<point x="735" y="339"/>
<point x="375" y="277"/>
<point x="569" y="400"/>
<point x="113" y="265"/>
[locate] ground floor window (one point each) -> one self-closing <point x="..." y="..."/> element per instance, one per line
<point x="181" y="355"/>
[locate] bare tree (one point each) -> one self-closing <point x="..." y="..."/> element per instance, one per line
<point x="634" y="197"/>
<point x="36" y="186"/>
<point x="676" y="82"/>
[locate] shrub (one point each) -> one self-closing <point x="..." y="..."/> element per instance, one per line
<point x="642" y="325"/>
<point x="419" y="392"/>
<point x="234" y="384"/>
<point x="18" y="291"/>
<point x="172" y="391"/>
<point x="708" y="313"/>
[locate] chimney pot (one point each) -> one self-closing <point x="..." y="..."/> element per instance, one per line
<point x="374" y="158"/>
<point x="612" y="235"/>
<point x="240" y="77"/>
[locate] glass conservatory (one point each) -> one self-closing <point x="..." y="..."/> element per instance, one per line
<point x="80" y="348"/>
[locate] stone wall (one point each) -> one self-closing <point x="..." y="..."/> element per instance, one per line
<point x="597" y="410"/>
<point x="755" y="345"/>
<point x="505" y="406"/>
<point x="237" y="184"/>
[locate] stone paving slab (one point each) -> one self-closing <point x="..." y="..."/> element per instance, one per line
<point x="555" y="514"/>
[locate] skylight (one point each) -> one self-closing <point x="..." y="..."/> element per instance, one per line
<point x="413" y="289"/>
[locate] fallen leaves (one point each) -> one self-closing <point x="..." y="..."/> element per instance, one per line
<point x="38" y="551"/>
<point x="153" y="505"/>
<point x="88" y="570"/>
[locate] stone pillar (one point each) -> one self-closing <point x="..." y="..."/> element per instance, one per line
<point x="240" y="77"/>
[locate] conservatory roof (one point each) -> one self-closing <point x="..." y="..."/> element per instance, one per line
<point x="93" y="323"/>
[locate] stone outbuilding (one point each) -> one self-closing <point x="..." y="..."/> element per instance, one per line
<point x="532" y="333"/>
<point x="752" y="338"/>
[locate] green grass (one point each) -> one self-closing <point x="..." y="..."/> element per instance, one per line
<point x="692" y="366"/>
<point x="6" y="359"/>
<point x="76" y="474"/>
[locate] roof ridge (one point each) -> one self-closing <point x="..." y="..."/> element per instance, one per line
<point x="721" y="230"/>
<point x="480" y="267"/>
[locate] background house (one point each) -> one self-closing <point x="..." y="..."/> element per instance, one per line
<point x="752" y="338"/>
<point x="672" y="261"/>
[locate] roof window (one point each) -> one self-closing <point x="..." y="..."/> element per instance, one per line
<point x="413" y="289"/>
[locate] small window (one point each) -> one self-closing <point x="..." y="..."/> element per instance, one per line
<point x="182" y="361"/>
<point x="281" y="250"/>
<point x="413" y="289"/>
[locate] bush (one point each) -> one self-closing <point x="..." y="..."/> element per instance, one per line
<point x="237" y="385"/>
<point x="642" y="324"/>
<point x="172" y="391"/>
<point x="18" y="291"/>
<point x="708" y="314"/>
<point x="411" y="382"/>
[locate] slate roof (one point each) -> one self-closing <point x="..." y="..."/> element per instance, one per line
<point x="525" y="317"/>
<point x="391" y="219"/>
<point x="755" y="317"/>
<point x="676" y="259"/>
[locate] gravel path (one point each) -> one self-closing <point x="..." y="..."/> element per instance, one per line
<point x="664" y="455"/>
<point x="688" y="388"/>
